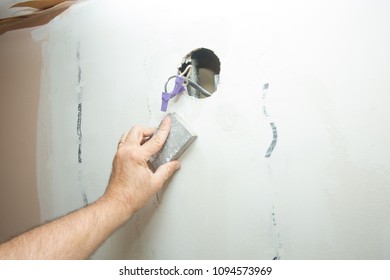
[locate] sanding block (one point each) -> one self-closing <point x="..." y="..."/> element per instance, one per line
<point x="179" y="139"/>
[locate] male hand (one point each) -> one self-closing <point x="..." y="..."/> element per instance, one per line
<point x="78" y="234"/>
<point x="132" y="183"/>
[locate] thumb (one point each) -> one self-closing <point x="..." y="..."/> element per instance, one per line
<point x="164" y="172"/>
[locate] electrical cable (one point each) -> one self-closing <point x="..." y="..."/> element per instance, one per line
<point x="190" y="83"/>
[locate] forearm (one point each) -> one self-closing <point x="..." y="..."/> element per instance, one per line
<point x="78" y="234"/>
<point x="74" y="236"/>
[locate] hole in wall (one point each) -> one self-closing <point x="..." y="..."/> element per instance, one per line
<point x="203" y="74"/>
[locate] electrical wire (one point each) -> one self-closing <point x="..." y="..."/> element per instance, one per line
<point x="198" y="87"/>
<point x="188" y="69"/>
<point x="190" y="83"/>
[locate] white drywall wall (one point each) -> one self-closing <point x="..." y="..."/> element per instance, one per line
<point x="7" y="11"/>
<point x="324" y="191"/>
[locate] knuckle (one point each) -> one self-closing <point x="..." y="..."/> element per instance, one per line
<point x="135" y="129"/>
<point x="125" y="154"/>
<point x="158" y="140"/>
<point x="168" y="169"/>
<point x="135" y="154"/>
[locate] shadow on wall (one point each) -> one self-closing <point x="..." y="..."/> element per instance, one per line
<point x="20" y="68"/>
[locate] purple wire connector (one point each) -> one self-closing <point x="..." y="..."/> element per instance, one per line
<point x="179" y="88"/>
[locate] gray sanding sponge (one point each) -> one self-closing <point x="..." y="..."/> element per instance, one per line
<point x="179" y="139"/>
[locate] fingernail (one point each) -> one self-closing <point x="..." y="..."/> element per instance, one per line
<point x="167" y="118"/>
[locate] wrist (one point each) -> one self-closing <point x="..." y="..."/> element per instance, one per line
<point x="117" y="207"/>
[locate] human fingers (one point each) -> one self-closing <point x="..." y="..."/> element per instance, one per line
<point x="122" y="140"/>
<point x="148" y="137"/>
<point x="157" y="141"/>
<point x="163" y="173"/>
<point x="138" y="134"/>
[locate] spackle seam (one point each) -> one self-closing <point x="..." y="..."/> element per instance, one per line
<point x="271" y="123"/>
<point x="79" y="106"/>
<point x="79" y="133"/>
<point x="278" y="242"/>
<point x="79" y="120"/>
<point x="274" y="140"/>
